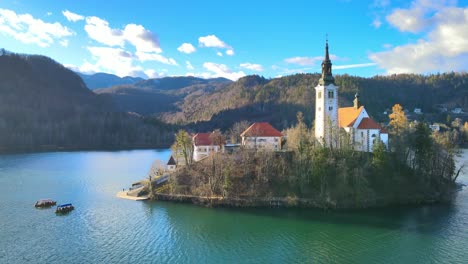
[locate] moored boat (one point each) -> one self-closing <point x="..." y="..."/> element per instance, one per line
<point x="64" y="208"/>
<point x="45" y="203"/>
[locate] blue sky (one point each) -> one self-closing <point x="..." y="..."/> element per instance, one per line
<point x="232" y="39"/>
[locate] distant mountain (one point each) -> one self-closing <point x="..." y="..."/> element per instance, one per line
<point x="154" y="96"/>
<point x="45" y="106"/>
<point x="174" y="83"/>
<point x="104" y="80"/>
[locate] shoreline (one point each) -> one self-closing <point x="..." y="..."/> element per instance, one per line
<point x="294" y="202"/>
<point x="63" y="149"/>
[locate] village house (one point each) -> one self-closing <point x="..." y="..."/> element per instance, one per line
<point x="262" y="136"/>
<point x="435" y="127"/>
<point x="171" y="164"/>
<point x="329" y="119"/>
<point x="203" y="146"/>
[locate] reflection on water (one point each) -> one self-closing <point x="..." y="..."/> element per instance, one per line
<point x="105" y="229"/>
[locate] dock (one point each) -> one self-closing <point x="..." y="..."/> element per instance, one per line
<point x="124" y="195"/>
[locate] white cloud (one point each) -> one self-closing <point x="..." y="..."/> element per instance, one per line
<point x="377" y="23"/>
<point x="64" y="42"/>
<point x="303" y="61"/>
<point x="443" y="48"/>
<point x="73" y="17"/>
<point x="350" y="66"/>
<point x="211" y="41"/>
<point x="415" y="19"/>
<point x="49" y="13"/>
<point x="154" y="74"/>
<point x="189" y="65"/>
<point x="186" y="48"/>
<point x="30" y="30"/>
<point x="113" y="60"/>
<point x="221" y="70"/>
<point x="251" y="66"/>
<point x="142" y="39"/>
<point x="98" y="29"/>
<point x="143" y="56"/>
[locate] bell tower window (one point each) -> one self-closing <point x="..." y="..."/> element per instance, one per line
<point x="331" y="94"/>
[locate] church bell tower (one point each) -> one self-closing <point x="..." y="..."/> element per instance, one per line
<point x="326" y="105"/>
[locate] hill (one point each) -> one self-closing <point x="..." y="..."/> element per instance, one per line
<point x="277" y="101"/>
<point x="154" y="96"/>
<point x="44" y="105"/>
<point x="103" y="80"/>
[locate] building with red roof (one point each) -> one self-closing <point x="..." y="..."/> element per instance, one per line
<point x="363" y="130"/>
<point x="262" y="135"/>
<point x="204" y="145"/>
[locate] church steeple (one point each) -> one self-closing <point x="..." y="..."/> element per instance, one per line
<point x="327" y="77"/>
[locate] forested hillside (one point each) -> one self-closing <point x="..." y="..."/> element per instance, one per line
<point x="44" y="105"/>
<point x="255" y="98"/>
<point x="154" y="96"/>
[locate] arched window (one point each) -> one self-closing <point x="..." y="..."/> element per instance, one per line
<point x="331" y="94"/>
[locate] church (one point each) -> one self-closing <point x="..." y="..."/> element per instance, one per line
<point x="362" y="130"/>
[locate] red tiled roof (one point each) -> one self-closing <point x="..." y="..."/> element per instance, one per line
<point x="347" y="115"/>
<point x="368" y="123"/>
<point x="261" y="130"/>
<point x="202" y="139"/>
<point x="383" y="131"/>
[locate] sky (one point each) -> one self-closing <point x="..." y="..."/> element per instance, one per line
<point x="232" y="39"/>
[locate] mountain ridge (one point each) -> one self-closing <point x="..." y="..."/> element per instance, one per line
<point x="103" y="80"/>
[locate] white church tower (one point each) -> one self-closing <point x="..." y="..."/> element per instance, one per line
<point x="326" y="105"/>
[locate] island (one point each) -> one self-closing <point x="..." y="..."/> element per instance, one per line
<point x="347" y="160"/>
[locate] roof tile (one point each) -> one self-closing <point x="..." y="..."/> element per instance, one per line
<point x="262" y="129"/>
<point x="347" y="115"/>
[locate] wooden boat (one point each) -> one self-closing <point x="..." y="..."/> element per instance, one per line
<point x="45" y="203"/>
<point x="64" y="208"/>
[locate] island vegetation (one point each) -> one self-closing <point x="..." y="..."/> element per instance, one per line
<point x="418" y="167"/>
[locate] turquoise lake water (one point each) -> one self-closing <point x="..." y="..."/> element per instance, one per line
<point x="105" y="229"/>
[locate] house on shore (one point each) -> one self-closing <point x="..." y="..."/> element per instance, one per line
<point x="262" y="136"/>
<point x="203" y="146"/>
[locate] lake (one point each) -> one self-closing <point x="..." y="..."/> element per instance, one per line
<point x="105" y="229"/>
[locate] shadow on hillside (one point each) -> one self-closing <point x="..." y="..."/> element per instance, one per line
<point x="280" y="116"/>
